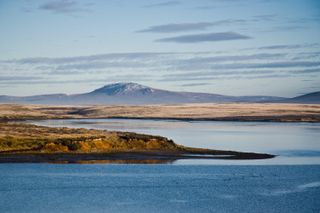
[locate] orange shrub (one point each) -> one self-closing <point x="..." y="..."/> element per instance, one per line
<point x="52" y="147"/>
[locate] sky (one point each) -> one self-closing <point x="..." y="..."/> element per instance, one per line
<point x="230" y="47"/>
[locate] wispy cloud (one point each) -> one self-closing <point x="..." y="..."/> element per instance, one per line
<point x="181" y="27"/>
<point x="224" y="77"/>
<point x="63" y="6"/>
<point x="217" y="74"/>
<point x="193" y="26"/>
<point x="207" y="37"/>
<point x="307" y="71"/>
<point x="197" y="65"/>
<point x="21" y="80"/>
<point x="101" y="65"/>
<point x="163" y="4"/>
<point x="233" y="58"/>
<point x="18" y="78"/>
<point x="169" y="28"/>
<point x="98" y="57"/>
<point x="194" y="67"/>
<point x="288" y="46"/>
<point x="265" y="17"/>
<point x="127" y="60"/>
<point x="194" y="84"/>
<point x="203" y="75"/>
<point x="281" y="64"/>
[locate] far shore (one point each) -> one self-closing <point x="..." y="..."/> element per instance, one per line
<point x="26" y="143"/>
<point x="274" y="112"/>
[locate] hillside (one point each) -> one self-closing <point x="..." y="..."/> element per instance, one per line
<point x="134" y="94"/>
<point x="308" y="98"/>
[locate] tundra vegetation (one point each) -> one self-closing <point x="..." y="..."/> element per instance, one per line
<point x="19" y="137"/>
<point x="218" y="112"/>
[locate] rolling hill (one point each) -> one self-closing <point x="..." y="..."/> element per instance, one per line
<point x="136" y="94"/>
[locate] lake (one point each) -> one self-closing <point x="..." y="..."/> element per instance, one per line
<point x="293" y="143"/>
<point x="288" y="183"/>
<point x="38" y="188"/>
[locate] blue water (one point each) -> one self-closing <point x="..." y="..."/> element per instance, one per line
<point x="288" y="183"/>
<point x="293" y="143"/>
<point x="158" y="188"/>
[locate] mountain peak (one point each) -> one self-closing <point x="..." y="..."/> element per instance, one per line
<point x="124" y="88"/>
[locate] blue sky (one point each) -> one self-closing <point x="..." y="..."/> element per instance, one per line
<point x="232" y="47"/>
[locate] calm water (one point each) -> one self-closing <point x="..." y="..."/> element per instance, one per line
<point x="289" y="183"/>
<point x="294" y="143"/>
<point x="158" y="188"/>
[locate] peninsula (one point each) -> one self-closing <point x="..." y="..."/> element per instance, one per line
<point x="21" y="143"/>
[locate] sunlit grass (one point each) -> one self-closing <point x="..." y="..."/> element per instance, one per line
<point x="17" y="137"/>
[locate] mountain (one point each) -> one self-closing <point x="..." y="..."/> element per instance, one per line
<point x="132" y="93"/>
<point x="124" y="89"/>
<point x="308" y="98"/>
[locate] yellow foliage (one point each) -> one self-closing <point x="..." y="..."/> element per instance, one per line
<point x="153" y="144"/>
<point x="101" y="145"/>
<point x="84" y="146"/>
<point x="26" y="137"/>
<point x="52" y="147"/>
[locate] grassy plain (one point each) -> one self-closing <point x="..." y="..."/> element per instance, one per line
<point x="21" y="142"/>
<point x="224" y="112"/>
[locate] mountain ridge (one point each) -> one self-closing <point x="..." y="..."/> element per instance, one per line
<point x="137" y="94"/>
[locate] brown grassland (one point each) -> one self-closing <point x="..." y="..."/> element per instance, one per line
<point x="19" y="137"/>
<point x="228" y="112"/>
<point x="21" y="142"/>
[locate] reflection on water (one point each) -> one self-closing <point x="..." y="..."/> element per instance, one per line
<point x="126" y="161"/>
<point x="294" y="143"/>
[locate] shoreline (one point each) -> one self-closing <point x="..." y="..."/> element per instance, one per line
<point x="184" y="112"/>
<point x="279" y="119"/>
<point x="28" y="143"/>
<point x="284" y="119"/>
<point x="22" y="142"/>
<point x="248" y="119"/>
<point x="126" y="157"/>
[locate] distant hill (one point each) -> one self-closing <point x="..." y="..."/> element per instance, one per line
<point x="307" y="98"/>
<point x="132" y="93"/>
